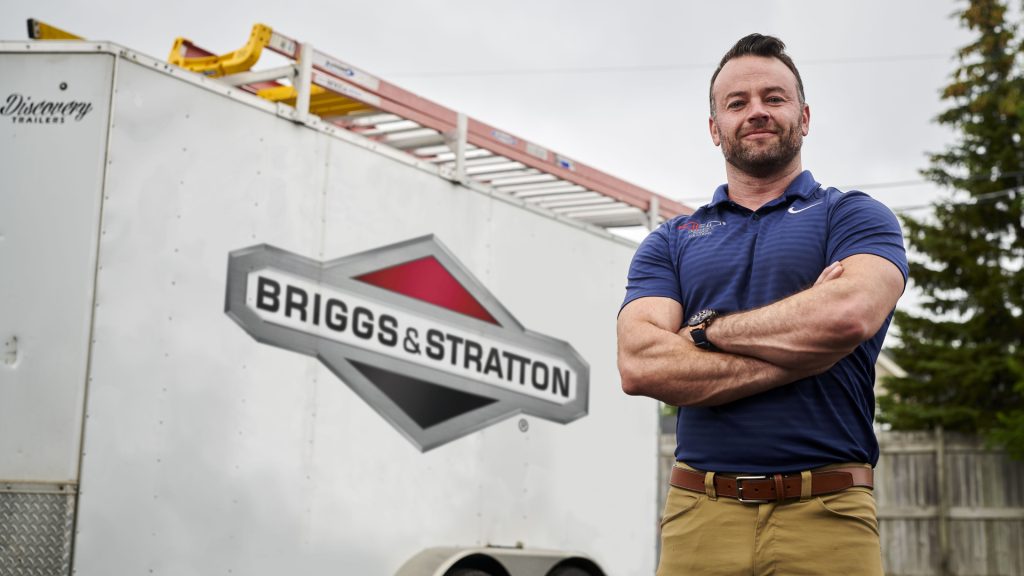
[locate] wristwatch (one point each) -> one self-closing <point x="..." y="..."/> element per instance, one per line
<point x="698" y="324"/>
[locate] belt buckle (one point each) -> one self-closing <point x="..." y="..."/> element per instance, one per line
<point x="739" y="489"/>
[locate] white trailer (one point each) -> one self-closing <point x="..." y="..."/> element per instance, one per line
<point x="238" y="339"/>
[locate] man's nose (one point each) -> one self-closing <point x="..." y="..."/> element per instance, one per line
<point x="758" y="112"/>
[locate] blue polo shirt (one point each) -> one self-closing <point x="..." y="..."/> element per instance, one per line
<point x="731" y="259"/>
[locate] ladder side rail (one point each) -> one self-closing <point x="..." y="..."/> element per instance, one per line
<point x="339" y="86"/>
<point x="435" y="116"/>
<point x="353" y="75"/>
<point x="536" y="156"/>
<point x="388" y="91"/>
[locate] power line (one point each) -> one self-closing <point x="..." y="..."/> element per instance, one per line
<point x="922" y="181"/>
<point x="973" y="200"/>
<point x="657" y="68"/>
<point x="872" y="185"/>
<point x="894" y="184"/>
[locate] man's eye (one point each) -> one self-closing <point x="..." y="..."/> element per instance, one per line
<point x="775" y="99"/>
<point x="734" y="105"/>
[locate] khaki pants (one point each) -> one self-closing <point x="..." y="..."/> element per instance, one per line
<point x="829" y="534"/>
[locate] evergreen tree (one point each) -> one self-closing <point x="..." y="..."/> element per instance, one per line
<point x="964" y="354"/>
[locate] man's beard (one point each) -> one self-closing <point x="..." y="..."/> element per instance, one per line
<point x="764" y="161"/>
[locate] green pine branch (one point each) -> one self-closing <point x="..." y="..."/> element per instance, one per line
<point x="964" y="352"/>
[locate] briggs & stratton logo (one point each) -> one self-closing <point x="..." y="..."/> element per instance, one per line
<point x="412" y="332"/>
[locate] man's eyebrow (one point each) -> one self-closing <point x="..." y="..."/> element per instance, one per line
<point x="744" y="93"/>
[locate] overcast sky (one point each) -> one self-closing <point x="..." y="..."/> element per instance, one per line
<point x="621" y="86"/>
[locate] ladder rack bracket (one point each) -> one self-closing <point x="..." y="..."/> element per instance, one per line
<point x="457" y="142"/>
<point x="304" y="82"/>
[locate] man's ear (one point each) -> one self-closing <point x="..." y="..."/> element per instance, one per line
<point x="715" y="136"/>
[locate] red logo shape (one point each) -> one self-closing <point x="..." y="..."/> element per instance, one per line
<point x="427" y="280"/>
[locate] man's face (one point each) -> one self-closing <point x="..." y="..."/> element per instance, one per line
<point x="759" y="120"/>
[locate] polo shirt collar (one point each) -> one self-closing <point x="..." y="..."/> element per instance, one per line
<point x="803" y="186"/>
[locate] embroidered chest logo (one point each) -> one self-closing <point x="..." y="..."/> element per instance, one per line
<point x="698" y="229"/>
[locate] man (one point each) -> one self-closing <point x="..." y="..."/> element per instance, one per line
<point x="761" y="316"/>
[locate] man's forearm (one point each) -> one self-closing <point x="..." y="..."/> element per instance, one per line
<point x="815" y="328"/>
<point x="794" y="332"/>
<point x="720" y="378"/>
<point x="668" y="367"/>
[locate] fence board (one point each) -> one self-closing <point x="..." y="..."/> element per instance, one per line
<point x="977" y="502"/>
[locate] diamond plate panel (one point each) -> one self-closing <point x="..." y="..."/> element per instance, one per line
<point x="35" y="533"/>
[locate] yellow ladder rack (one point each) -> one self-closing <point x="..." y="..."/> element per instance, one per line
<point x="323" y="102"/>
<point x="187" y="55"/>
<point x="42" y="31"/>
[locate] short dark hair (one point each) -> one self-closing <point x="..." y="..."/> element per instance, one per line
<point x="758" y="45"/>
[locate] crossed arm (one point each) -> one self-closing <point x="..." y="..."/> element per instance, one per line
<point x="793" y="338"/>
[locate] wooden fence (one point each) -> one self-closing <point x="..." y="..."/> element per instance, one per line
<point x="949" y="506"/>
<point x="966" y="521"/>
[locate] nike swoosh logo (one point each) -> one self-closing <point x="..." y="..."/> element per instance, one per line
<point x="793" y="210"/>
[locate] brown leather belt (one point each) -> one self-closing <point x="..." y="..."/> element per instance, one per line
<point x="774" y="487"/>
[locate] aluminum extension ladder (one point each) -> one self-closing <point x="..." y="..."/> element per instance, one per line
<point x="464" y="148"/>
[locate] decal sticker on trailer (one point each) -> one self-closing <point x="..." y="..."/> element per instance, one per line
<point x="412" y="332"/>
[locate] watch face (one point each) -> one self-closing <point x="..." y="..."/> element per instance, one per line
<point x="701" y="317"/>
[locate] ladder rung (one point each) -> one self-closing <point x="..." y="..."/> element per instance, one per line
<point x="413" y="142"/>
<point x="449" y="156"/>
<point x="562" y="204"/>
<point x="638" y="218"/>
<point x="272" y="74"/>
<point x="564" y="188"/>
<point x="527" y="189"/>
<point x="619" y="208"/>
<point x="397" y="126"/>
<point x="431" y="150"/>
<point x="481" y="161"/>
<point x="563" y="196"/>
<point x="400" y="135"/>
<point x="508" y="175"/>
<point x="378" y="118"/>
<point x="524" y="179"/>
<point x="499" y="168"/>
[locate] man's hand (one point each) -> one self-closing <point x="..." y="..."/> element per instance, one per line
<point x="833" y="271"/>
